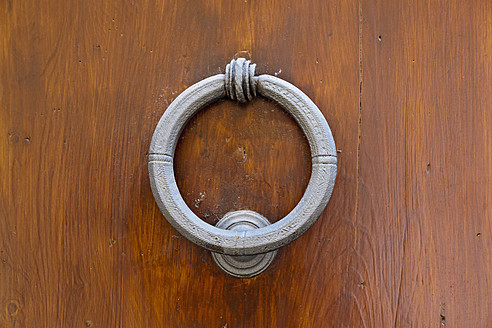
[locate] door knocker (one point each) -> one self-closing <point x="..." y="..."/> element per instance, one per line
<point x="243" y="243"/>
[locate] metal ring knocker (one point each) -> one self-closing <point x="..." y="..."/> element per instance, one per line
<point x="242" y="243"/>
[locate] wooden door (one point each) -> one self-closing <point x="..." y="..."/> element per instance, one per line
<point x="405" y="85"/>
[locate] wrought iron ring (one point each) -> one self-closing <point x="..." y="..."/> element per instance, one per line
<point x="239" y="83"/>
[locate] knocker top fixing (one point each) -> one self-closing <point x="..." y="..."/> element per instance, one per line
<point x="240" y="83"/>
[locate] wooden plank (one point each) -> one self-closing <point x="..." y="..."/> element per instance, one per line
<point x="83" y="85"/>
<point x="423" y="229"/>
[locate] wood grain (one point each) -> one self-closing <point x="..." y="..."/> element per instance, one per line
<point x="405" y="86"/>
<point x="83" y="85"/>
<point x="423" y="227"/>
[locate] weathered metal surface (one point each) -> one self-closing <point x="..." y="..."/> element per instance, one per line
<point x="239" y="83"/>
<point x="249" y="265"/>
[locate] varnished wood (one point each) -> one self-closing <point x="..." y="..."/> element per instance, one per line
<point x="249" y="159"/>
<point x="83" y="242"/>
<point x="405" y="87"/>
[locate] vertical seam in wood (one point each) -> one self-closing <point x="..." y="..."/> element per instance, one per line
<point x="359" y="129"/>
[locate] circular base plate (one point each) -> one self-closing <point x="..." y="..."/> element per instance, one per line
<point x="243" y="266"/>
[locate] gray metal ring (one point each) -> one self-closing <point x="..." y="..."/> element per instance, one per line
<point x="271" y="237"/>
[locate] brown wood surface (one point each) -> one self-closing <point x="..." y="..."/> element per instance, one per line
<point x="405" y="240"/>
<point x="423" y="229"/>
